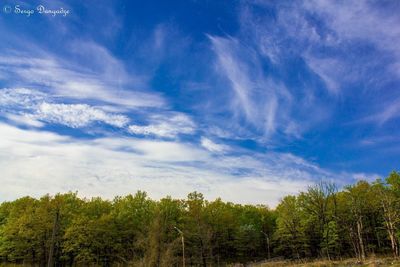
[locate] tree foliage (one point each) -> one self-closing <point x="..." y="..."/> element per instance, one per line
<point x="322" y="222"/>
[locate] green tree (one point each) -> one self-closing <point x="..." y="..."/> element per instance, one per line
<point x="389" y="201"/>
<point x="290" y="228"/>
<point x="164" y="241"/>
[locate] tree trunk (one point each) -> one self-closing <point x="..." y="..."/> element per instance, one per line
<point x="354" y="242"/>
<point x="393" y="239"/>
<point x="360" y="239"/>
<point x="391" y="228"/>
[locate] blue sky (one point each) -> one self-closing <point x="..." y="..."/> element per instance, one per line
<point x="247" y="100"/>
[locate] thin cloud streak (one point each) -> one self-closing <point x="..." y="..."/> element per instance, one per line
<point x="169" y="125"/>
<point x="105" y="80"/>
<point x="265" y="104"/>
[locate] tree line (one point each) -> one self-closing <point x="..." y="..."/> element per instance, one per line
<point x="323" y="222"/>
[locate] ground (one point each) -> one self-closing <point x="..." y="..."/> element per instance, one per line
<point x="370" y="262"/>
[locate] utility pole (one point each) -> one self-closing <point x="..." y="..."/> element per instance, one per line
<point x="50" y="262"/>
<point x="269" y="254"/>
<point x="183" y="245"/>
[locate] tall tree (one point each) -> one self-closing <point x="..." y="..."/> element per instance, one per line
<point x="290" y="228"/>
<point x="358" y="206"/>
<point x="319" y="210"/>
<point x="390" y="204"/>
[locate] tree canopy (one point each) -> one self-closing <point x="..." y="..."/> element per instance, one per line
<point x="322" y="222"/>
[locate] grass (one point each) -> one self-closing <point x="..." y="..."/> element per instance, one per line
<point x="370" y="262"/>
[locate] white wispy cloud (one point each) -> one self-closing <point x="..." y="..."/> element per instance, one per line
<point x="24" y="119"/>
<point x="77" y="115"/>
<point x="168" y="125"/>
<point x="369" y="22"/>
<point x="318" y="32"/>
<point x="236" y="73"/>
<point x="380" y="140"/>
<point x="370" y="27"/>
<point x="390" y="110"/>
<point x="373" y="26"/>
<point x="264" y="103"/>
<point x="329" y="70"/>
<point x="33" y="107"/>
<point x="212" y="146"/>
<point x="99" y="77"/>
<point x="22" y="98"/>
<point x="109" y="166"/>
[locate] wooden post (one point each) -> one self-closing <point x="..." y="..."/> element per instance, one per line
<point x="267" y="237"/>
<point x="50" y="262"/>
<point x="183" y="245"/>
<point x="183" y="250"/>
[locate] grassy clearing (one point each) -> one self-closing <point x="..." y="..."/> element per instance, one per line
<point x="370" y="262"/>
